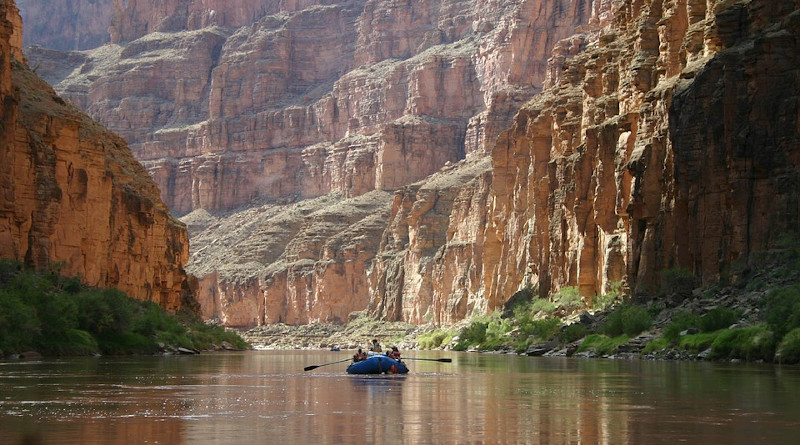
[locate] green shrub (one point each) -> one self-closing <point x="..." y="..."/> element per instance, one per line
<point x="568" y="298"/>
<point x="542" y="329"/>
<point x="59" y="316"/>
<point x="656" y="345"/>
<point x="681" y="321"/>
<point x="472" y="335"/>
<point x="125" y="343"/>
<point x="751" y="344"/>
<point x="789" y="349"/>
<point x="698" y="342"/>
<point x="627" y="319"/>
<point x="150" y="319"/>
<point x="434" y="340"/>
<point x="781" y="309"/>
<point x="496" y="331"/>
<point x="72" y="342"/>
<point x="614" y="295"/>
<point x="573" y="333"/>
<point x="18" y="323"/>
<point x="601" y="344"/>
<point x="543" y="305"/>
<point x="718" y="318"/>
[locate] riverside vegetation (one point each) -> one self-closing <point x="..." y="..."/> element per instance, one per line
<point x="751" y="314"/>
<point x="56" y="316"/>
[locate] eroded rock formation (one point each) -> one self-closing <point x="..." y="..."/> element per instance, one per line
<point x="670" y="140"/>
<point x="72" y="193"/>
<point x="230" y="103"/>
<point x="381" y="135"/>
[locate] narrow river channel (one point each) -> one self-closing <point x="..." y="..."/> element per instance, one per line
<point x="265" y="397"/>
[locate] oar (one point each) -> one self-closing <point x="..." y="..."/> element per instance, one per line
<point x="443" y="360"/>
<point x="309" y="368"/>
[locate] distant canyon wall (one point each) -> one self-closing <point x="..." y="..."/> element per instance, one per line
<point x="228" y="103"/>
<point x="71" y="192"/>
<point x="425" y="160"/>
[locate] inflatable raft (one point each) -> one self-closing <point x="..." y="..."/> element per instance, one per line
<point x="378" y="364"/>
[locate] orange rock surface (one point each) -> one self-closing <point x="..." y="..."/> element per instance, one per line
<point x="71" y="192"/>
<point x="425" y="160"/>
<point x="667" y="138"/>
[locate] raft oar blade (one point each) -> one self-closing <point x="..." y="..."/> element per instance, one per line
<point x="443" y="360"/>
<point x="309" y="368"/>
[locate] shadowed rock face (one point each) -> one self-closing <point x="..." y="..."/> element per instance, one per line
<point x="72" y="193"/>
<point x="654" y="149"/>
<point x="66" y="24"/>
<point x="377" y="140"/>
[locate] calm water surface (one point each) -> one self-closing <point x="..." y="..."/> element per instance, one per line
<point x="265" y="397"/>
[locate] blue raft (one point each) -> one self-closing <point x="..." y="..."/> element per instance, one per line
<point x="378" y="364"/>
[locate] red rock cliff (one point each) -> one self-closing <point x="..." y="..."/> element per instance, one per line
<point x="72" y="193"/>
<point x="230" y="103"/>
<point x="670" y="140"/>
<point x="666" y="136"/>
<point x="66" y="24"/>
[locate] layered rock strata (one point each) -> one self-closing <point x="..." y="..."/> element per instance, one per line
<point x="285" y="99"/>
<point x="67" y="24"/>
<point x="71" y="193"/>
<point x="233" y="103"/>
<point x="669" y="141"/>
<point x="666" y="137"/>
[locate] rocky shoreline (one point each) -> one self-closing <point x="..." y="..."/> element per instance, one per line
<point x="745" y="298"/>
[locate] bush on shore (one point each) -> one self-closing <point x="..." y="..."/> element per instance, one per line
<point x="789" y="349"/>
<point x="751" y="344"/>
<point x="58" y="316"/>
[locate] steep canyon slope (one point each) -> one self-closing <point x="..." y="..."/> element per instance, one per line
<point x="264" y="104"/>
<point x="72" y="193"/>
<point x="370" y="147"/>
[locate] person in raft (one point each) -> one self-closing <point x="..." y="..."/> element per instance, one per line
<point x="394" y="353"/>
<point x="359" y="356"/>
<point x="376" y="347"/>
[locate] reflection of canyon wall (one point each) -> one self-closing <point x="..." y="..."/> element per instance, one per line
<point x="71" y="192"/>
<point x="665" y="137"/>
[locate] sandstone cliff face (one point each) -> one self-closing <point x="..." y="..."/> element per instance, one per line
<point x="211" y="94"/>
<point x="231" y="103"/>
<point x="658" y="148"/>
<point x="66" y="24"/>
<point x="72" y="192"/>
<point x="666" y="137"/>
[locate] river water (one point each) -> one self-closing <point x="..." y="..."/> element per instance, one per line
<point x="265" y="397"/>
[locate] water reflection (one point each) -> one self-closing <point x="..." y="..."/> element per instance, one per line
<point x="265" y="397"/>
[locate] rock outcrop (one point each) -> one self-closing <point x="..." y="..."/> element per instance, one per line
<point x="230" y="102"/>
<point x="234" y="103"/>
<point x="670" y="140"/>
<point x="71" y="193"/>
<point x="373" y="145"/>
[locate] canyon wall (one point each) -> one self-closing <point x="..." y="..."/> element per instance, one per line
<point x="669" y="141"/>
<point x="233" y="105"/>
<point x="425" y="160"/>
<point x="71" y="193"/>
<point x="66" y="24"/>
